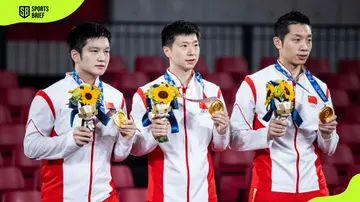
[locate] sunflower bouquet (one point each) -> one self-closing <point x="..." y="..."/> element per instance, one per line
<point x="279" y="98"/>
<point x="161" y="100"/>
<point x="84" y="101"/>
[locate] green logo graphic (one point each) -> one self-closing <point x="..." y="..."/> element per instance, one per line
<point x="24" y="11"/>
<point x="36" y="11"/>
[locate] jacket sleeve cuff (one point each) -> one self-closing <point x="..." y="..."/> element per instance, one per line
<point x="223" y="137"/>
<point x="71" y="145"/>
<point x="267" y="142"/>
<point x="126" y="142"/>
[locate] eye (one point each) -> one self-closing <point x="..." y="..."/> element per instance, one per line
<point x="94" y="51"/>
<point x="183" y="46"/>
<point x="196" y="45"/>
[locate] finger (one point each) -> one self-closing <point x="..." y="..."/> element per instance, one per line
<point x="129" y="126"/>
<point x="83" y="134"/>
<point x="158" y="122"/>
<point x="326" y="131"/>
<point x="277" y="126"/>
<point x="330" y="129"/>
<point x="83" y="129"/>
<point x="280" y="122"/>
<point x="83" y="139"/>
<point x="221" y="120"/>
<point x="220" y="114"/>
<point x="159" y="134"/>
<point x="277" y="130"/>
<point x="328" y="126"/>
<point x="82" y="143"/>
<point x="223" y="116"/>
<point x="219" y="126"/>
<point x="129" y="121"/>
<point x="333" y="118"/>
<point x="222" y="127"/>
<point x="333" y="123"/>
<point x="277" y="134"/>
<point x="128" y="131"/>
<point x="161" y="127"/>
<point x="159" y="131"/>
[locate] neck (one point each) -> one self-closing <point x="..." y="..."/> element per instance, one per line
<point x="85" y="76"/>
<point x="183" y="75"/>
<point x="294" y="70"/>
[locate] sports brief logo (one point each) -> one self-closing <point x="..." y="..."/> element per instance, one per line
<point x="36" y="11"/>
<point x="24" y="11"/>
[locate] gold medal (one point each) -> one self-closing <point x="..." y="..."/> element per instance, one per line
<point x="119" y="118"/>
<point x="325" y="114"/>
<point x="216" y="106"/>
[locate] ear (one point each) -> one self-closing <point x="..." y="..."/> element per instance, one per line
<point x="277" y="42"/>
<point x="75" y="56"/>
<point x="167" y="51"/>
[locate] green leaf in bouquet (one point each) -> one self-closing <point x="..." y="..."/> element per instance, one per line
<point x="163" y="139"/>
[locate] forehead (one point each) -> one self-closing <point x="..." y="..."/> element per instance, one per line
<point x="101" y="42"/>
<point x="186" y="38"/>
<point x="299" y="29"/>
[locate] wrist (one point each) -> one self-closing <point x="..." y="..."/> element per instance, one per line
<point x="325" y="136"/>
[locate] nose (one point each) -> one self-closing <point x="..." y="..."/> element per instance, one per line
<point x="304" y="46"/>
<point x="102" y="56"/>
<point x="191" y="50"/>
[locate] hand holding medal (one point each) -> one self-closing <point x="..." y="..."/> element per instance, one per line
<point x="325" y="114"/>
<point x="219" y="116"/>
<point x="216" y="106"/>
<point x="119" y="118"/>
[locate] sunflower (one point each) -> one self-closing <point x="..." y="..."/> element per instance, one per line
<point x="89" y="94"/>
<point x="176" y="91"/>
<point x="279" y="90"/>
<point x="269" y="93"/>
<point x="288" y="92"/>
<point x="162" y="94"/>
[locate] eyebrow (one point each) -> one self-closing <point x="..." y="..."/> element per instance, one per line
<point x="94" y="47"/>
<point x="298" y="35"/>
<point x="196" y="41"/>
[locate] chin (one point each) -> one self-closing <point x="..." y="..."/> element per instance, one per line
<point x="100" y="72"/>
<point x="299" y="62"/>
<point x="188" y="67"/>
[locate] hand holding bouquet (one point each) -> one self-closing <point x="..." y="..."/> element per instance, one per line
<point x="279" y="99"/>
<point x="161" y="99"/>
<point x="85" y="101"/>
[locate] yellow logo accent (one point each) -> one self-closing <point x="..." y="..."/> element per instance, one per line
<point x="351" y="194"/>
<point x="36" y="11"/>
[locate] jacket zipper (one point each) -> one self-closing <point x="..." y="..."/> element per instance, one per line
<point x="91" y="167"/>
<point x="297" y="151"/>
<point x="186" y="150"/>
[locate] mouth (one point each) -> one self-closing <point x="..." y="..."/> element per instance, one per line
<point x="191" y="61"/>
<point x="302" y="57"/>
<point x="100" y="66"/>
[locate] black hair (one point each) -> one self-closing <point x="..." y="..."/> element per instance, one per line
<point x="283" y="23"/>
<point x="79" y="35"/>
<point x="180" y="27"/>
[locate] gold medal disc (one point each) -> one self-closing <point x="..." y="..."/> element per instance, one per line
<point x="216" y="106"/>
<point x="119" y="118"/>
<point x="325" y="114"/>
